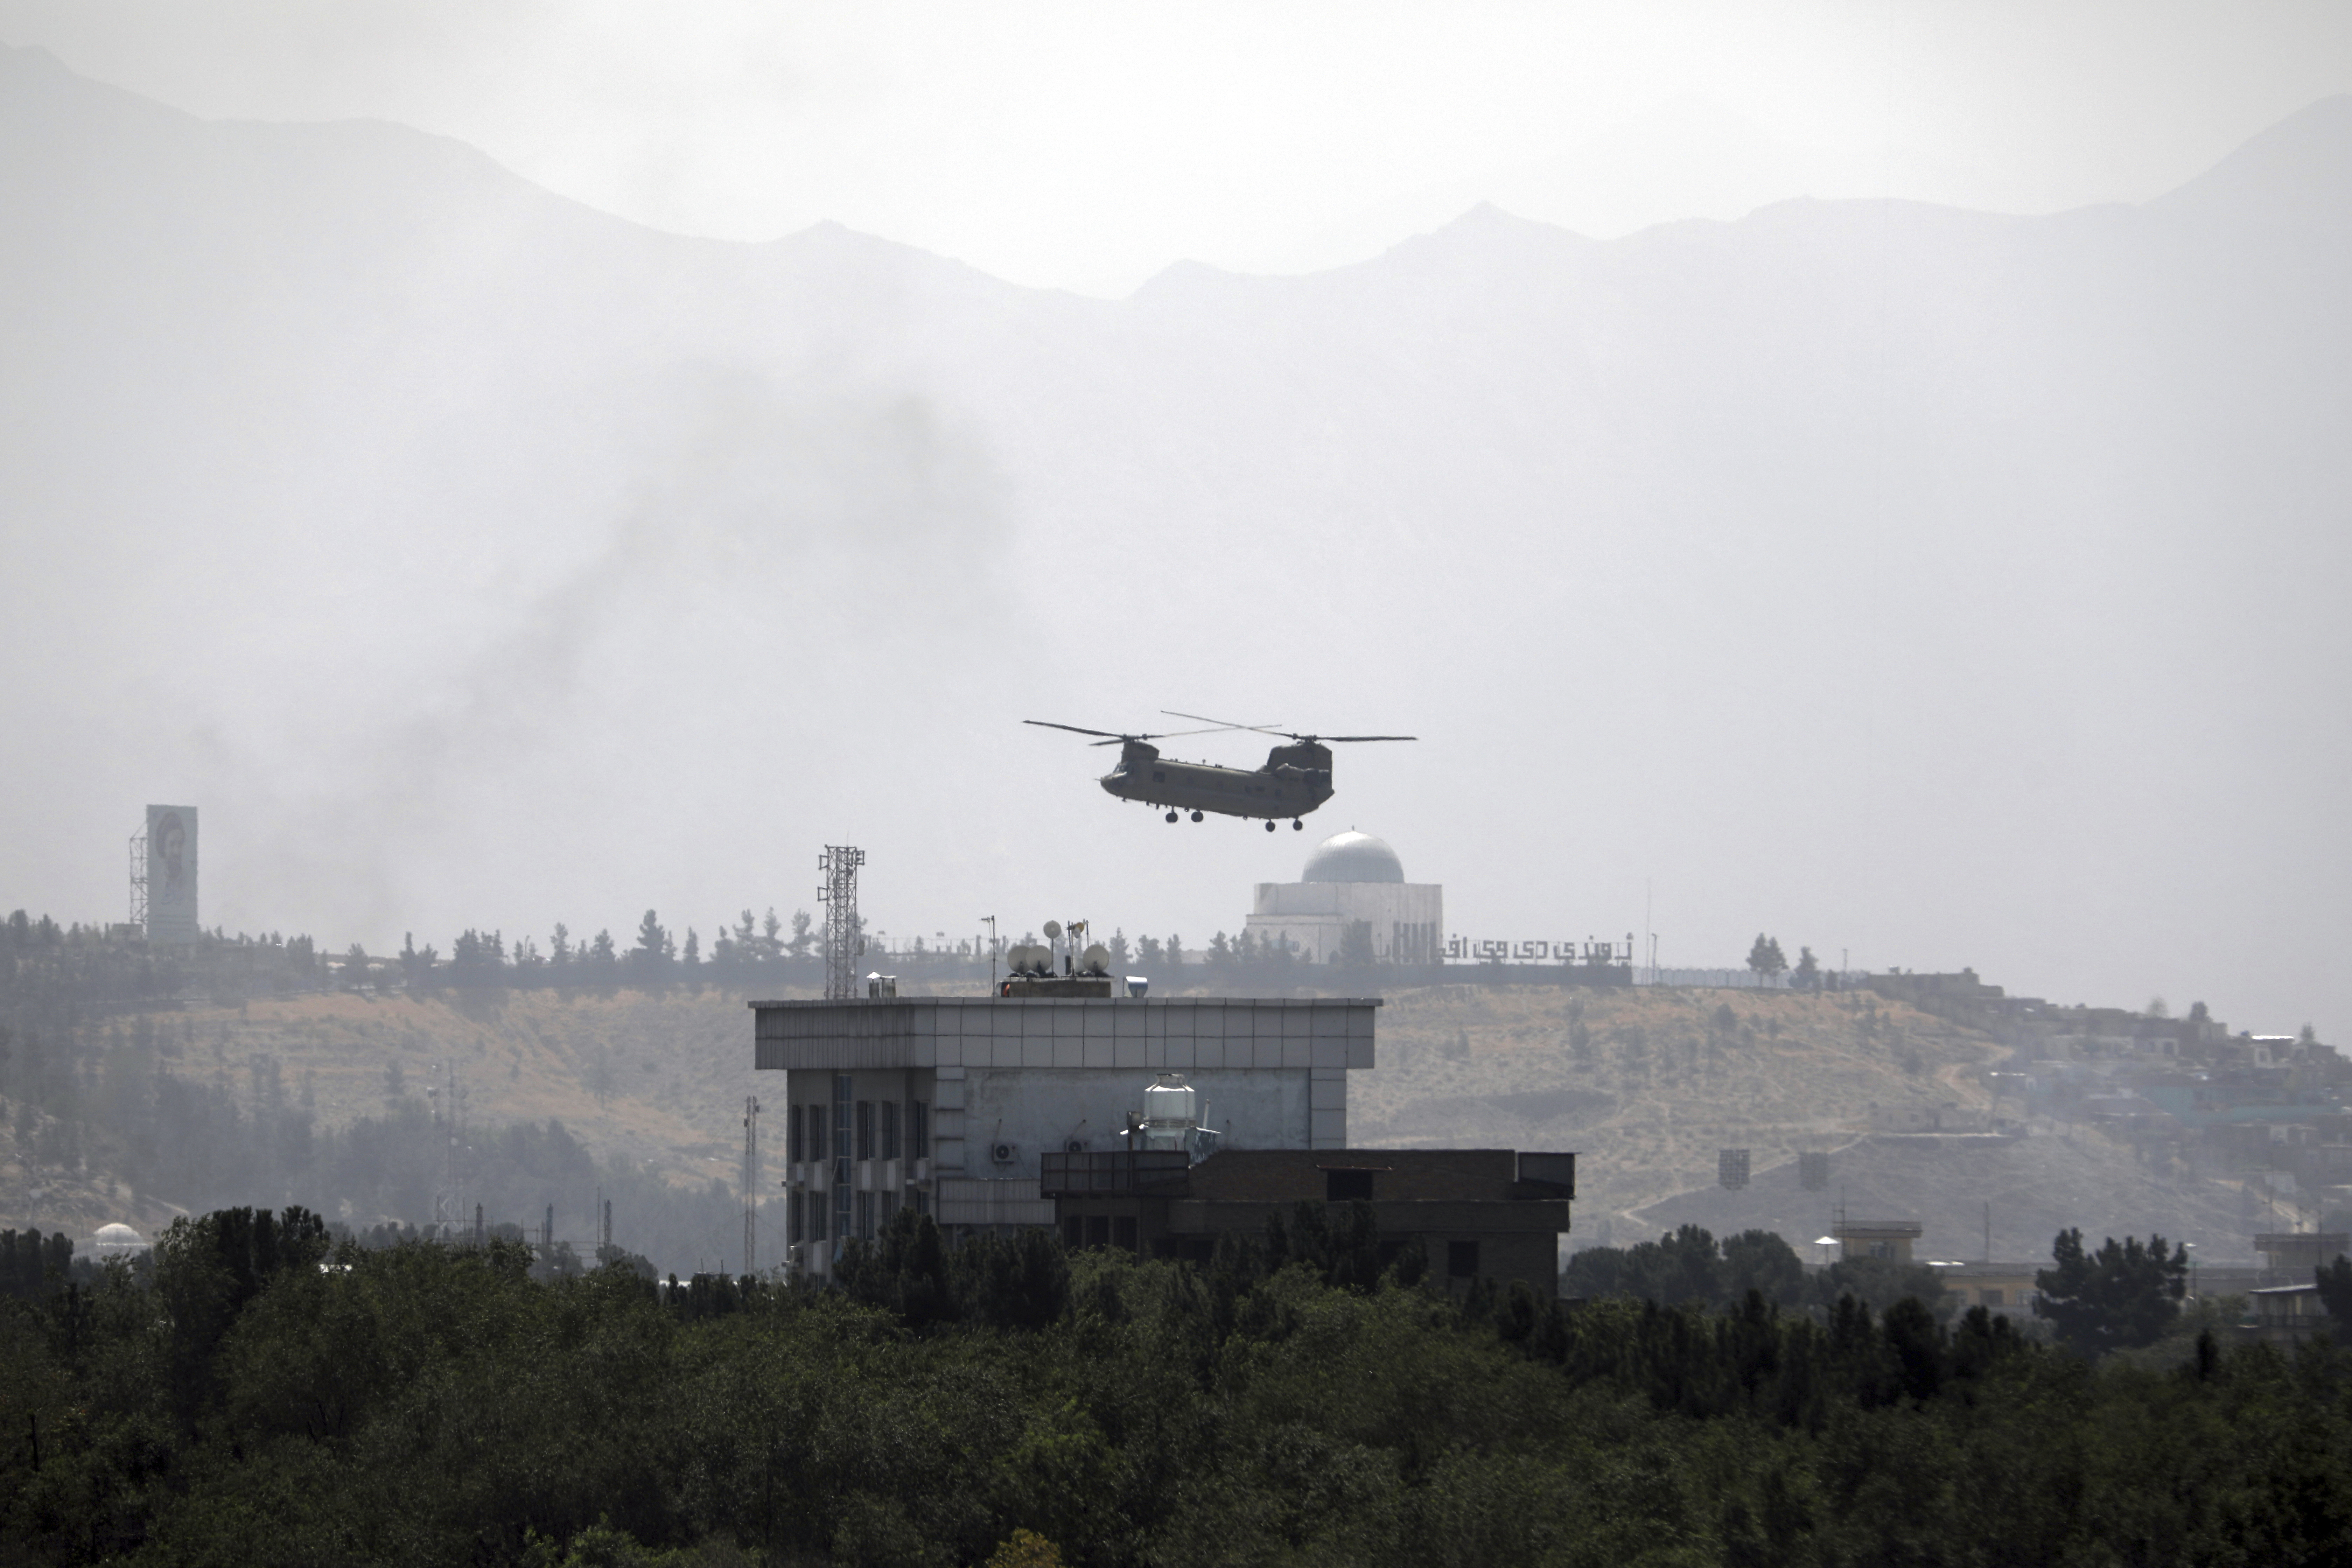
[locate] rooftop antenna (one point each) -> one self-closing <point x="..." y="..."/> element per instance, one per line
<point x="838" y="894"/>
<point x="991" y="922"/>
<point x="751" y="1184"/>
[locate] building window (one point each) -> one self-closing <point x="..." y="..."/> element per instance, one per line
<point x="815" y="1148"/>
<point x="889" y="1208"/>
<point x="1074" y="1231"/>
<point x="1347" y="1186"/>
<point x="1122" y="1231"/>
<point x="1461" y="1260"/>
<point x="795" y="1215"/>
<point x="921" y="1200"/>
<point x="841" y="1111"/>
<point x="865" y="1217"/>
<point x="918" y="1130"/>
<point x="889" y="1130"/>
<point x="1989" y="1298"/>
<point x="793" y="1136"/>
<point x="842" y="1230"/>
<point x="816" y="1216"/>
<point x="866" y="1130"/>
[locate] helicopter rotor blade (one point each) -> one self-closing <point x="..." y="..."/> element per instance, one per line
<point x="1223" y="723"/>
<point x="1362" y="737"/>
<point x="1073" y="729"/>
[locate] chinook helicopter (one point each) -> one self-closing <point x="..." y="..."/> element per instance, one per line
<point x="1295" y="779"/>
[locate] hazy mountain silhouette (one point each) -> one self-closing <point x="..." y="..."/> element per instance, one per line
<point x="1949" y="588"/>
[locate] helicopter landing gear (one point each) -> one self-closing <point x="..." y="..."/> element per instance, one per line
<point x="1171" y="816"/>
<point x="1269" y="826"/>
<point x="1296" y="825"/>
<point x="1196" y="816"/>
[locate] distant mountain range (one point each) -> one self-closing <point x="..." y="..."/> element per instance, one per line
<point x="1950" y="587"/>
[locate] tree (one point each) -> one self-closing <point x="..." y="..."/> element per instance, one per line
<point x="2334" y="1281"/>
<point x="2123" y="1295"/>
<point x="1765" y="958"/>
<point x="649" y="959"/>
<point x="1806" y="976"/>
<point x="1119" y="951"/>
<point x="1356" y="946"/>
<point x="1761" y="1261"/>
<point x="355" y="965"/>
<point x="603" y="960"/>
<point x="1147" y="949"/>
<point x="1175" y="952"/>
<point x="558" y="951"/>
<point x="692" y="962"/>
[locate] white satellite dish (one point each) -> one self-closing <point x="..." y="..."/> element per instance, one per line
<point x="1053" y="930"/>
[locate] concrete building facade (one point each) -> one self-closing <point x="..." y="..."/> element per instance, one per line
<point x="1352" y="877"/>
<point x="945" y="1104"/>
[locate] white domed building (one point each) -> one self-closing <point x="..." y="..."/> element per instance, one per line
<point x="1353" y="877"/>
<point x="117" y="1241"/>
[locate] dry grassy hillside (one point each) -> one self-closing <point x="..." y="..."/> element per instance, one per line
<point x="659" y="1076"/>
<point x="1648" y="1084"/>
<point x="1645" y="1084"/>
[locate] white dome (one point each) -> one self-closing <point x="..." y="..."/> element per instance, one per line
<point x="115" y="1238"/>
<point x="1353" y="857"/>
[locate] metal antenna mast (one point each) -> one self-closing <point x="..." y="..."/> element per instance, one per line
<point x="751" y="1185"/>
<point x="839" y="895"/>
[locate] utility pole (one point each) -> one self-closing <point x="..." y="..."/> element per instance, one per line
<point x="990" y="921"/>
<point x="751" y="1185"/>
<point x="838" y="894"/>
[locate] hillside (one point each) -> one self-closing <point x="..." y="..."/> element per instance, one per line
<point x="1646" y="1085"/>
<point x="1666" y="1077"/>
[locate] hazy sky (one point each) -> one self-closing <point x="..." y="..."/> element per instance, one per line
<point x="1887" y="577"/>
<point x="1089" y="145"/>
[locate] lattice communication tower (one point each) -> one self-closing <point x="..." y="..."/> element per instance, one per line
<point x="838" y="894"/>
<point x="139" y="880"/>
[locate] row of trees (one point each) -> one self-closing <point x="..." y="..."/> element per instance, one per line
<point x="1009" y="1401"/>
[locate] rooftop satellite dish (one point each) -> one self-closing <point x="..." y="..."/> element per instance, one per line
<point x="1053" y="930"/>
<point x="1097" y="960"/>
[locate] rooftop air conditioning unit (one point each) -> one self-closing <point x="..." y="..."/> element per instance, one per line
<point x="1003" y="1154"/>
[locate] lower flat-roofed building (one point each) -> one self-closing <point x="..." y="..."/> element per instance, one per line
<point x="1491" y="1213"/>
<point x="1889" y="1240"/>
<point x="2288" y="1314"/>
<point x="1997" y="1287"/>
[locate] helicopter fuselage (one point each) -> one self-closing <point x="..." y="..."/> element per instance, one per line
<point x="1295" y="780"/>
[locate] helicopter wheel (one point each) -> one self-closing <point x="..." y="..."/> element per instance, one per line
<point x="1296" y="825"/>
<point x="1171" y="816"/>
<point x="1196" y="816"/>
<point x="1269" y="826"/>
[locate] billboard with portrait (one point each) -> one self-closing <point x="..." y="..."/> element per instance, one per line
<point x="172" y="875"/>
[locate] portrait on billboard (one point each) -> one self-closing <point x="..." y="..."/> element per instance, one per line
<point x="171" y="874"/>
